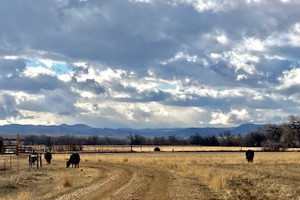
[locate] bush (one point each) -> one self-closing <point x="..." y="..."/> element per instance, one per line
<point x="254" y="139"/>
<point x="273" y="146"/>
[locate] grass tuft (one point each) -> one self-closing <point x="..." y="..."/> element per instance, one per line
<point x="219" y="182"/>
<point x="66" y="181"/>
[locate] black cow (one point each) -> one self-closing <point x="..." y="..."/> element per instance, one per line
<point x="48" y="157"/>
<point x="74" y="160"/>
<point x="250" y="155"/>
<point x="33" y="157"/>
<point x="156" y="149"/>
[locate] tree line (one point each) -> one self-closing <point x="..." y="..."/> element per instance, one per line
<point x="270" y="136"/>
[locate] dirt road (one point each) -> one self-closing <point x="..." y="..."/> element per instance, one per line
<point x="124" y="181"/>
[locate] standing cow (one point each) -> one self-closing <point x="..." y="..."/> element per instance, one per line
<point x="32" y="158"/>
<point x="48" y="157"/>
<point x="250" y="155"/>
<point x="74" y="159"/>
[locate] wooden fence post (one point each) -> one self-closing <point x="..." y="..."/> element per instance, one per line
<point x="17" y="164"/>
<point x="37" y="161"/>
<point x="41" y="161"/>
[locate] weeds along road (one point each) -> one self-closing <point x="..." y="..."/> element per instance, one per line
<point x="124" y="181"/>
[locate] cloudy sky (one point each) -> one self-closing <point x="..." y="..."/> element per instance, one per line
<point x="149" y="63"/>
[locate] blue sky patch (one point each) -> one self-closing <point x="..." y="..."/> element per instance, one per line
<point x="58" y="67"/>
<point x="166" y="87"/>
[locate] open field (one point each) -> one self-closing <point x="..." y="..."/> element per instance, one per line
<point x="150" y="148"/>
<point x="158" y="176"/>
<point x="167" y="148"/>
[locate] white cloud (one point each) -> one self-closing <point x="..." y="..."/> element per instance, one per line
<point x="208" y="5"/>
<point x="254" y="44"/>
<point x="241" y="77"/>
<point x="180" y="56"/>
<point x="290" y="37"/>
<point x="33" y="72"/>
<point x="233" y="117"/>
<point x="11" y="57"/>
<point x="289" y="78"/>
<point x="243" y="56"/>
<point x="222" y="39"/>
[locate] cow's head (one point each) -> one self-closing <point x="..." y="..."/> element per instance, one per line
<point x="68" y="164"/>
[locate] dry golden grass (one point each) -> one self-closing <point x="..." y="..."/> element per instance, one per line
<point x="271" y="176"/>
<point x="44" y="183"/>
<point x="25" y="196"/>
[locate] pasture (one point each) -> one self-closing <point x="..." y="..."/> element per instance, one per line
<point x="147" y="148"/>
<point x="162" y="175"/>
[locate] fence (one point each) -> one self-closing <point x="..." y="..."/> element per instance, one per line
<point x="9" y="164"/>
<point x="12" y="149"/>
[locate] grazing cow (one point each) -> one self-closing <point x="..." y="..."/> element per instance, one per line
<point x="156" y="149"/>
<point x="74" y="159"/>
<point x="250" y="155"/>
<point x="48" y="157"/>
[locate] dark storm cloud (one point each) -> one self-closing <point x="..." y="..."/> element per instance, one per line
<point x="11" y="78"/>
<point x="177" y="40"/>
<point x="8" y="107"/>
<point x="8" y="67"/>
<point x="88" y="85"/>
<point x="130" y="35"/>
<point x="31" y="85"/>
<point x="55" y="101"/>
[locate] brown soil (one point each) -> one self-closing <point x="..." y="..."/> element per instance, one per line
<point x="124" y="181"/>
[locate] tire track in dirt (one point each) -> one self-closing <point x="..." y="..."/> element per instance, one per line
<point x="132" y="182"/>
<point x="126" y="182"/>
<point x="148" y="183"/>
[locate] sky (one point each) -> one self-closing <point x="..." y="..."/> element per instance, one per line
<point x="149" y="63"/>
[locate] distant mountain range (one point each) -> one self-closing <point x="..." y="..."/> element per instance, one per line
<point x="82" y="129"/>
